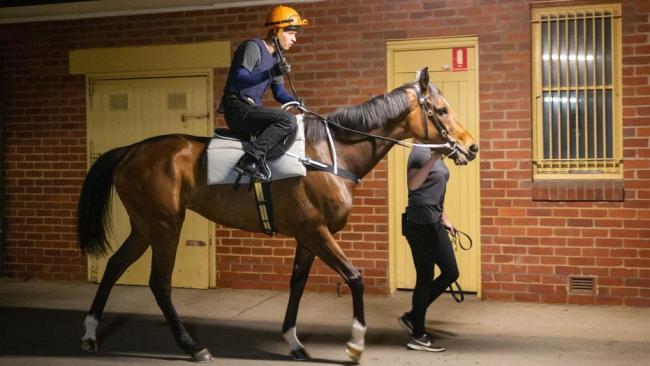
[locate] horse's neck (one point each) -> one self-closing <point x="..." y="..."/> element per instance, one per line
<point x="361" y="157"/>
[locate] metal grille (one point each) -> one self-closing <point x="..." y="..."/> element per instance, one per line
<point x="581" y="285"/>
<point x="119" y="102"/>
<point x="576" y="95"/>
<point x="177" y="101"/>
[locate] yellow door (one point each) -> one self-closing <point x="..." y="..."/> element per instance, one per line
<point x="462" y="202"/>
<point x="125" y="111"/>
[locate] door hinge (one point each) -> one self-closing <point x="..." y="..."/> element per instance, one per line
<point x="93" y="155"/>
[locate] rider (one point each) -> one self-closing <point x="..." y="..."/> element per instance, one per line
<point x="256" y="65"/>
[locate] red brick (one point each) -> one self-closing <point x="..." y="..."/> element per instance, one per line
<point x="331" y="73"/>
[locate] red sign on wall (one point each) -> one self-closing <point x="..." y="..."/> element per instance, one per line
<point x="459" y="59"/>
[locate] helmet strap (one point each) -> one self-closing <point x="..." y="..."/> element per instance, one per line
<point x="275" y="37"/>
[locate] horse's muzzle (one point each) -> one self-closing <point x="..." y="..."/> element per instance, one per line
<point x="473" y="151"/>
<point x="462" y="155"/>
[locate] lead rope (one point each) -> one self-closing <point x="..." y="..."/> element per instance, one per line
<point x="458" y="295"/>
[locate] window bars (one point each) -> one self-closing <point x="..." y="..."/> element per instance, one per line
<point x="576" y="91"/>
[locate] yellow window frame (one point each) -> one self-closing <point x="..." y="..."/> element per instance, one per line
<point x="577" y="168"/>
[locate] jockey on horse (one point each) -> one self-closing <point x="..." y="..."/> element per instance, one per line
<point x="257" y="65"/>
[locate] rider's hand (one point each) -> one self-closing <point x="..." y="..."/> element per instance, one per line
<point x="281" y="68"/>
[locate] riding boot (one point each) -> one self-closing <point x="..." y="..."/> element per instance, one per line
<point x="265" y="169"/>
<point x="256" y="169"/>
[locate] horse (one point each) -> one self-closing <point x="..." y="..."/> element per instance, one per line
<point x="159" y="178"/>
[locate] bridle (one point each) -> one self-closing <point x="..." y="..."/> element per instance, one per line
<point x="432" y="113"/>
<point x="428" y="113"/>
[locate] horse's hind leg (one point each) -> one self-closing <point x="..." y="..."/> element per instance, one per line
<point x="129" y="252"/>
<point x="160" y="282"/>
<point x="301" y="267"/>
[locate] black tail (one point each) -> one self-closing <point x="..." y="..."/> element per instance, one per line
<point x="93" y="215"/>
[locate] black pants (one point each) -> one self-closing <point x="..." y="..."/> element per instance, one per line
<point x="430" y="246"/>
<point x="274" y="124"/>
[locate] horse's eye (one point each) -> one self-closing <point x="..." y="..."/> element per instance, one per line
<point x="441" y="111"/>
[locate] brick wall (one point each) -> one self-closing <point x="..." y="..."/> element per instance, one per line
<point x="529" y="247"/>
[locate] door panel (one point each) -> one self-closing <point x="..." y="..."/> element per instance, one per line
<point x="129" y="110"/>
<point x="462" y="203"/>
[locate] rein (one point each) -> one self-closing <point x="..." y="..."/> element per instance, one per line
<point x="427" y="113"/>
<point x="447" y="145"/>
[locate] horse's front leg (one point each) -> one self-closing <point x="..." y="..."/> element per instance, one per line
<point x="356" y="344"/>
<point x="160" y="282"/>
<point x="328" y="250"/>
<point x="301" y="267"/>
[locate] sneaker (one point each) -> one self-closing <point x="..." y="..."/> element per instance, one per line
<point x="406" y="323"/>
<point x="423" y="343"/>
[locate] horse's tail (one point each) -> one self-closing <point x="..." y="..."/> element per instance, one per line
<point x="93" y="215"/>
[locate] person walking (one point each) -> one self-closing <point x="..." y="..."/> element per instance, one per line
<point x="426" y="231"/>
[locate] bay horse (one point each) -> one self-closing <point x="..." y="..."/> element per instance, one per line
<point x="158" y="179"/>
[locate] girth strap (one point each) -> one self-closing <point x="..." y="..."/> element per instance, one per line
<point x="264" y="206"/>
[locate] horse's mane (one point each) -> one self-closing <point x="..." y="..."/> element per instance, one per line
<point x="364" y="117"/>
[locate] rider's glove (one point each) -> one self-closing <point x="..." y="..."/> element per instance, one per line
<point x="281" y="68"/>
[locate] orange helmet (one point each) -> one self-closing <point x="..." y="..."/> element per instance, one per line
<point x="284" y="18"/>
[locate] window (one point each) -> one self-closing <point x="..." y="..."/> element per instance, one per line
<point x="577" y="92"/>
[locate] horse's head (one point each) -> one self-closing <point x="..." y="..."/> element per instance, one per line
<point x="432" y="120"/>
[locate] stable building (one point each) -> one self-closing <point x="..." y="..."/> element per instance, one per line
<point x="556" y="93"/>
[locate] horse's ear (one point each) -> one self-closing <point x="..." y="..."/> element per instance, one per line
<point x="423" y="79"/>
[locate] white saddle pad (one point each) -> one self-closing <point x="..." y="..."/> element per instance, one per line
<point x="224" y="152"/>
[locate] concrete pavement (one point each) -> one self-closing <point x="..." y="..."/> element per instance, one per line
<point x="40" y="324"/>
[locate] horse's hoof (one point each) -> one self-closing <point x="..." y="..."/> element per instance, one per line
<point x="89" y="345"/>
<point x="202" y="355"/>
<point x="300" y="354"/>
<point x="354" y="352"/>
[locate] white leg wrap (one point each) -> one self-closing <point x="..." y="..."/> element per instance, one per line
<point x="90" y="327"/>
<point x="292" y="338"/>
<point x="358" y="335"/>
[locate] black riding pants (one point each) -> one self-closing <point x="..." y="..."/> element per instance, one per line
<point x="430" y="246"/>
<point x="274" y="124"/>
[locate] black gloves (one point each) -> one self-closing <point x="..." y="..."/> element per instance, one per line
<point x="284" y="66"/>
<point x="280" y="68"/>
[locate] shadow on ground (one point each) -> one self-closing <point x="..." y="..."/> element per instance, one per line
<point x="56" y="333"/>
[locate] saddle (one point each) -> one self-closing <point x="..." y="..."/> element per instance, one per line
<point x="227" y="147"/>
<point x="285" y="160"/>
<point x="248" y="138"/>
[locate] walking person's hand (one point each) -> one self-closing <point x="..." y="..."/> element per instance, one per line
<point x="447" y="224"/>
